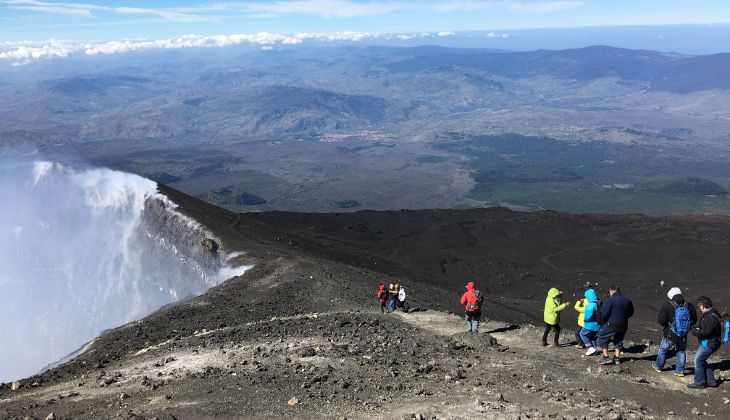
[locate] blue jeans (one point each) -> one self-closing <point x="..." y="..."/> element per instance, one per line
<point x="588" y="337"/>
<point x="703" y="374"/>
<point x="665" y="346"/>
<point x="391" y="305"/>
<point x="472" y="322"/>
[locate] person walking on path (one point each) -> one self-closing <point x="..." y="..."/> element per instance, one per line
<point x="708" y="331"/>
<point x="392" y="297"/>
<point x="591" y="321"/>
<point x="677" y="317"/>
<point x="472" y="300"/>
<point x="615" y="312"/>
<point x="551" y="315"/>
<point x="580" y="306"/>
<point x="382" y="297"/>
<point x="402" y="302"/>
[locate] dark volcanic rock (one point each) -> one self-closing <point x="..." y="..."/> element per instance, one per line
<point x="697" y="186"/>
<point x="474" y="341"/>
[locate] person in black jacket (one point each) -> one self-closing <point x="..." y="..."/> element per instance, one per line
<point x="708" y="331"/>
<point x="670" y="338"/>
<point x="615" y="313"/>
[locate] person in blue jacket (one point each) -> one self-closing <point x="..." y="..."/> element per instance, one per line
<point x="615" y="313"/>
<point x="591" y="326"/>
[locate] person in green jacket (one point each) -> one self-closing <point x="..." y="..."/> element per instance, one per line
<point x="580" y="307"/>
<point x="553" y="305"/>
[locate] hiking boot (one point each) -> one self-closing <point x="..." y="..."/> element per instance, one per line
<point x="544" y="343"/>
<point x="679" y="374"/>
<point x="605" y="361"/>
<point x="616" y="361"/>
<point x="713" y="384"/>
<point x="591" y="351"/>
<point x="659" y="370"/>
<point x="696" y="386"/>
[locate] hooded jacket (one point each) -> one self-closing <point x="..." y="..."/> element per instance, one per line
<point x="666" y="314"/>
<point x="616" y="312"/>
<point x="580" y="306"/>
<point x="590" y="311"/>
<point x="553" y="307"/>
<point x="469" y="298"/>
<point x="709" y="329"/>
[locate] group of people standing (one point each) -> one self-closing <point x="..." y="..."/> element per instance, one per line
<point x="392" y="297"/>
<point x="602" y="323"/>
<point x="606" y="322"/>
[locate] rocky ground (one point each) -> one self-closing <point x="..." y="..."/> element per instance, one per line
<point x="298" y="336"/>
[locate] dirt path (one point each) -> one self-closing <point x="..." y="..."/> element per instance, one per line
<point x="634" y="377"/>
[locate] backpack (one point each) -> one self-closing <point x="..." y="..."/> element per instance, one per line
<point x="383" y="294"/>
<point x="477" y="305"/>
<point x="682" y="320"/>
<point x="596" y="315"/>
<point x="724" y="330"/>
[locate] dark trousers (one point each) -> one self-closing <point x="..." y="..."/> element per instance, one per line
<point x="383" y="306"/>
<point x="548" y="327"/>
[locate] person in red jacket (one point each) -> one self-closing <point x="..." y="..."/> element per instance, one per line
<point x="472" y="301"/>
<point x="382" y="297"/>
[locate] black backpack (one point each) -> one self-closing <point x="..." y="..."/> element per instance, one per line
<point x="476" y="306"/>
<point x="596" y="316"/>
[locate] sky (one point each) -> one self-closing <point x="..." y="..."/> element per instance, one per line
<point x="35" y="29"/>
<point x="96" y="20"/>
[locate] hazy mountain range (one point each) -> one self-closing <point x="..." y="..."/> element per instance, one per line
<point x="368" y="112"/>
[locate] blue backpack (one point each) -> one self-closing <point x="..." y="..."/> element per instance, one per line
<point x="724" y="331"/>
<point x="682" y="320"/>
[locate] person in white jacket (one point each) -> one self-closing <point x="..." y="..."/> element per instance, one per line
<point x="402" y="299"/>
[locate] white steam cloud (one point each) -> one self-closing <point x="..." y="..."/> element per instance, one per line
<point x="83" y="251"/>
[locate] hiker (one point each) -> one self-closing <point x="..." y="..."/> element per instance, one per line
<point x="553" y="306"/>
<point x="580" y="306"/>
<point x="472" y="301"/>
<point x="615" y="312"/>
<point x="382" y="297"/>
<point x="708" y="331"/>
<point x="677" y="317"/>
<point x="591" y="321"/>
<point x="392" y="297"/>
<point x="402" y="303"/>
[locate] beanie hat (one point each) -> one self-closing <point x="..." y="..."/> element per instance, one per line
<point x="674" y="291"/>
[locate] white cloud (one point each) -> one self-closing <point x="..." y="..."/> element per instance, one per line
<point x="23" y="52"/>
<point x="78" y="9"/>
<point x="54" y="10"/>
<point x="445" y="34"/>
<point x="165" y="14"/>
<point x="495" y="35"/>
<point x="87" y="10"/>
<point x="323" y="8"/>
